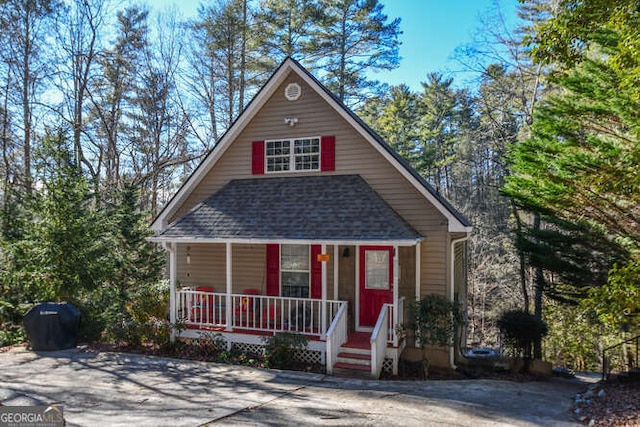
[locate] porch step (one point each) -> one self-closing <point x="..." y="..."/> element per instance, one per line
<point x="355" y="359"/>
<point x="349" y="370"/>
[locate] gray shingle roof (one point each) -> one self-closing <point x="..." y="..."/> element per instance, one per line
<point x="329" y="208"/>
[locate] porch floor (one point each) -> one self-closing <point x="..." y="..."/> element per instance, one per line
<point x="358" y="340"/>
<point x="255" y="332"/>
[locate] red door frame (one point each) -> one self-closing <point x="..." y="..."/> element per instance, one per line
<point x="372" y="300"/>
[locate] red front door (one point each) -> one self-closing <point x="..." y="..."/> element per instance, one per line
<point x="376" y="281"/>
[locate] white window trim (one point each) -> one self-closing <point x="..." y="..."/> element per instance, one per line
<point x="295" y="271"/>
<point x="292" y="155"/>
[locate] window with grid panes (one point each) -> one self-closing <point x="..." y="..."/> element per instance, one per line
<point x="285" y="155"/>
<point x="294" y="271"/>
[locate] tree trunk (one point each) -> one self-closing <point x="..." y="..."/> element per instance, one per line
<point x="539" y="289"/>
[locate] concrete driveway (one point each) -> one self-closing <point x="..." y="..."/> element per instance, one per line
<point x="113" y="389"/>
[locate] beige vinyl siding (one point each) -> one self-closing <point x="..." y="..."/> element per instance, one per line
<point x="208" y="267"/>
<point x="354" y="155"/>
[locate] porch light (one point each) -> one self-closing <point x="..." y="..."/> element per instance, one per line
<point x="188" y="255"/>
<point x="345" y="253"/>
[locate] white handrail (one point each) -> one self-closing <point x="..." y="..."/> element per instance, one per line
<point x="336" y="336"/>
<point x="394" y="325"/>
<point x="379" y="340"/>
<point x="255" y="312"/>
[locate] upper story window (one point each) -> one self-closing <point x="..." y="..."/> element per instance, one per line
<point x="316" y="153"/>
<point x="286" y="155"/>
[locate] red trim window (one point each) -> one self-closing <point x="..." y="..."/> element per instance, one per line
<point x="315" y="153"/>
<point x="294" y="271"/>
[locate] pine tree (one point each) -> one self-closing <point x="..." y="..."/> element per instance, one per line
<point x="356" y="38"/>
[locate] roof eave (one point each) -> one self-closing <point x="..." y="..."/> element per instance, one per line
<point x="342" y="242"/>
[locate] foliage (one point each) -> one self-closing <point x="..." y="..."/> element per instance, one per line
<point x="579" y="169"/>
<point x="580" y="27"/>
<point x="356" y="39"/>
<point x="576" y="336"/>
<point x="618" y="302"/>
<point x="436" y="320"/>
<point x="149" y="301"/>
<point x="520" y="330"/>
<point x="131" y="333"/>
<point x="11" y="329"/>
<point x="69" y="249"/>
<point x="280" y="348"/>
<point x="287" y="28"/>
<point x="576" y="256"/>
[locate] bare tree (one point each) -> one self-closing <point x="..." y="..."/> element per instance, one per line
<point x="26" y="25"/>
<point x="157" y="124"/>
<point x="80" y="37"/>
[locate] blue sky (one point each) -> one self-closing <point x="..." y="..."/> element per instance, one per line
<point x="432" y="29"/>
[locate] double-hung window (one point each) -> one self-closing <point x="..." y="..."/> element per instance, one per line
<point x="295" y="270"/>
<point x="288" y="155"/>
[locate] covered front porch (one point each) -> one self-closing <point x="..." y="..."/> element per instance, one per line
<point x="238" y="306"/>
<point x="252" y="260"/>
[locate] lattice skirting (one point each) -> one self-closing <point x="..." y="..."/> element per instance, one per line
<point x="309" y="356"/>
<point x="247" y="348"/>
<point x="387" y="366"/>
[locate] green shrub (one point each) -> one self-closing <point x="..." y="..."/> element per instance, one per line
<point x="149" y="301"/>
<point x="279" y="348"/>
<point x="10" y="334"/>
<point x="576" y="336"/>
<point x="435" y="320"/>
<point x="520" y="330"/>
<point x="128" y="332"/>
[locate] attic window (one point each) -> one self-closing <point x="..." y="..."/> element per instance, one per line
<point x="287" y="155"/>
<point x="293" y="91"/>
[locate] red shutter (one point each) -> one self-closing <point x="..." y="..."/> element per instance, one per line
<point x="316" y="272"/>
<point x="257" y="157"/>
<point x="328" y="153"/>
<point x="273" y="270"/>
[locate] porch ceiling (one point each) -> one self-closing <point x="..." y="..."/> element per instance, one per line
<point x="310" y="208"/>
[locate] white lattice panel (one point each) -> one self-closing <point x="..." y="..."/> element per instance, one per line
<point x="308" y="356"/>
<point x="387" y="366"/>
<point x="247" y="348"/>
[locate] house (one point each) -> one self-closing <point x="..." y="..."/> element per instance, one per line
<point x="303" y="219"/>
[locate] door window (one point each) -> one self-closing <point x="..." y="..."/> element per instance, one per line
<point x="377" y="269"/>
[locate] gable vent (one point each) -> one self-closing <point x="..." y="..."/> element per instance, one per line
<point x="293" y="91"/>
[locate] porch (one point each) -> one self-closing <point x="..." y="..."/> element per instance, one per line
<point x="245" y="319"/>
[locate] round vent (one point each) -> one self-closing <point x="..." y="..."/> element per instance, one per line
<point x="292" y="91"/>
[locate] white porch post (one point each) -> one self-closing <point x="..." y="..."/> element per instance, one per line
<point x="173" y="264"/>
<point x="228" y="302"/>
<point x="336" y="258"/>
<point x="323" y="249"/>
<point x="396" y="266"/>
<point x="418" y="285"/>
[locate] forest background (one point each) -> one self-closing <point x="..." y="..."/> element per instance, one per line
<point x="104" y="110"/>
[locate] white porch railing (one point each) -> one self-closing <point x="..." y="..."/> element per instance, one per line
<point x="255" y="312"/>
<point x="336" y="336"/>
<point x="379" y="339"/>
